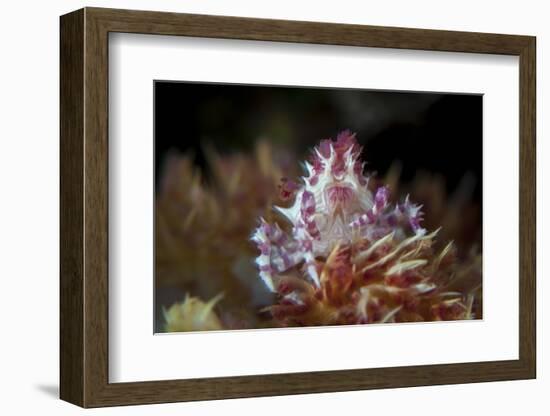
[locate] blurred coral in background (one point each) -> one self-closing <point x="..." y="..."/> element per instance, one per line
<point x="192" y="315"/>
<point x="203" y="226"/>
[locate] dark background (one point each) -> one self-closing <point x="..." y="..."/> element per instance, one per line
<point x="438" y="133"/>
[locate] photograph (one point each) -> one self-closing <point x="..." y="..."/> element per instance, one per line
<point x="285" y="205"/>
<point x="280" y="206"/>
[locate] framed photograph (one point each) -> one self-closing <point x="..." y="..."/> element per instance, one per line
<point x="255" y="207"/>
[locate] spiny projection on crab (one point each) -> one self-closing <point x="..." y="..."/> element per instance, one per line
<point x="330" y="206"/>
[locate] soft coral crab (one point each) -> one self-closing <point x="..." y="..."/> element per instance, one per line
<point x="332" y="206"/>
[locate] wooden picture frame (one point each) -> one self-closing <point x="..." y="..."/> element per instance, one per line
<point x="84" y="207"/>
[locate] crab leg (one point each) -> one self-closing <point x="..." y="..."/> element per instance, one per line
<point x="373" y="214"/>
<point x="413" y="215"/>
<point x="276" y="254"/>
<point x="263" y="242"/>
<point x="305" y="232"/>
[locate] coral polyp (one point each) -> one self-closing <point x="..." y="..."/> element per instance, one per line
<point x="351" y="256"/>
<point x="192" y="315"/>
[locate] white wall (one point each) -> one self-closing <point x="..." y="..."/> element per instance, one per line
<point x="29" y="208"/>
